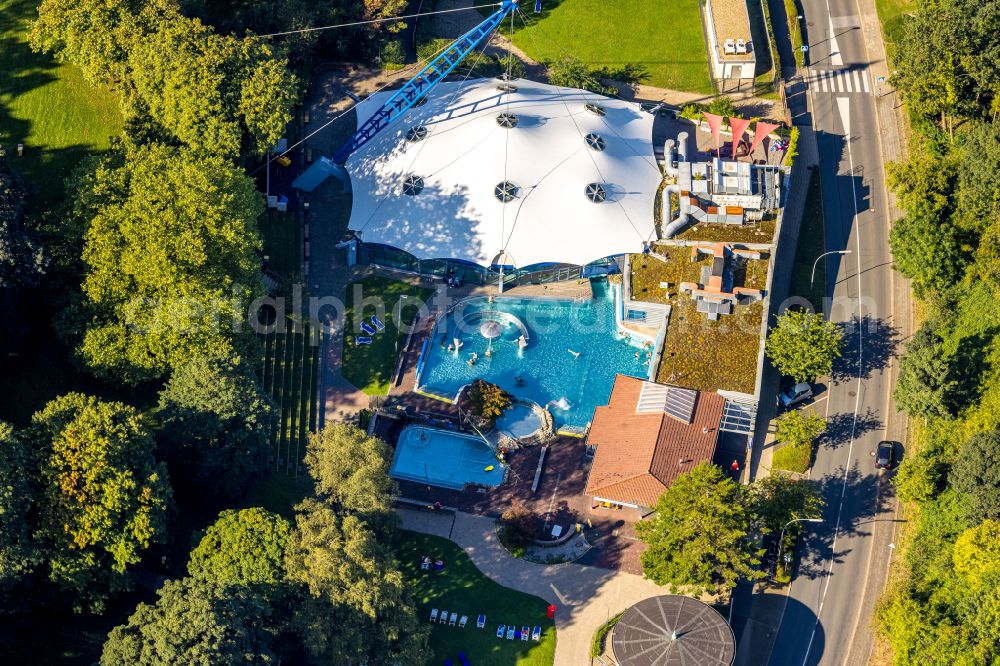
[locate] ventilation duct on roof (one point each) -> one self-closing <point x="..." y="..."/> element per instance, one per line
<point x="505" y="191"/>
<point x="507" y="87"/>
<point x="595" y="141"/>
<point x="416" y="133"/>
<point x="507" y="120"/>
<point x="596" y="109"/>
<point x="596" y="192"/>
<point x="413" y="185"/>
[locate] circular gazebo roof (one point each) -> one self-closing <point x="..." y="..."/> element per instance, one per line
<point x="672" y="630"/>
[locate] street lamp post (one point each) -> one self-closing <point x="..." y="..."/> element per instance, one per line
<point x="812" y="276"/>
<point x="781" y="539"/>
<point x="798" y="21"/>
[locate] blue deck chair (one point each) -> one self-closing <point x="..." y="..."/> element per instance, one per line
<point x="367" y="329"/>
<point x="536" y="634"/>
<point x="377" y="324"/>
<point x="361" y="340"/>
<point x="500" y="631"/>
<point x="510" y="632"/>
<point x="524" y="633"/>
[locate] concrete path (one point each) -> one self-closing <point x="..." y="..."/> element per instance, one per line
<point x="586" y="596"/>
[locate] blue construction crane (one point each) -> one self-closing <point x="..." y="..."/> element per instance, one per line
<point x="418" y="87"/>
<point x="402" y="100"/>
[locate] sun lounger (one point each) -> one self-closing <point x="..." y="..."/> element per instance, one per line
<point x="453" y="619"/>
<point x="510" y="632"/>
<point x="536" y="634"/>
<point x="524" y="633"/>
<point x="461" y="623"/>
<point x="500" y="631"/>
<point x="362" y="340"/>
<point x="367" y="328"/>
<point x="434" y="614"/>
<point x="377" y="324"/>
<point x="481" y="622"/>
<point x="444" y="617"/>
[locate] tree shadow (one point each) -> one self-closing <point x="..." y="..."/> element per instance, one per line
<point x="856" y="494"/>
<point x="874" y="338"/>
<point x="843" y="427"/>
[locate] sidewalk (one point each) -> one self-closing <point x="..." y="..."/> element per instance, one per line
<point x="586" y="596"/>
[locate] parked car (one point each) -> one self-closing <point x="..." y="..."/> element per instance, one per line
<point x="795" y="394"/>
<point x="885" y="455"/>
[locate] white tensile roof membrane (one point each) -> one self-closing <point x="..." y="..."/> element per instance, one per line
<point x="456" y="168"/>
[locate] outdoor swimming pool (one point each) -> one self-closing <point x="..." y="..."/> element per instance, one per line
<point x="566" y="360"/>
<point x="443" y="458"/>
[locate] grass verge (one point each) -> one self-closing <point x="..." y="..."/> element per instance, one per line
<point x="461" y="588"/>
<point x="370" y="366"/>
<point x="810" y="246"/>
<point x="795" y="30"/>
<point x="891" y="14"/>
<point x="613" y="34"/>
<point x="793" y="457"/>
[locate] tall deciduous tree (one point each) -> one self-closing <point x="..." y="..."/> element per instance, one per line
<point x="216" y="424"/>
<point x="351" y="470"/>
<point x="799" y="427"/>
<point x="803" y="346"/>
<point x="355" y="605"/>
<point x="194" y="621"/>
<point x="244" y="547"/>
<point x="20" y="552"/>
<point x="926" y="384"/>
<point x="104" y="497"/>
<point x="698" y="534"/>
<point x="171" y="259"/>
<point x="211" y="91"/>
<point x="777" y="499"/>
<point x="976" y="472"/>
<point x="976" y="554"/>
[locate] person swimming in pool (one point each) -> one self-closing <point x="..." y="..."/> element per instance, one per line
<point x="575" y="354"/>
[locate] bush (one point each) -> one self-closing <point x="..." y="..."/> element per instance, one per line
<point x="573" y="73"/>
<point x="393" y="55"/>
<point x="793" y="147"/>
<point x="489" y="401"/>
<point x="723" y="106"/>
<point x="693" y="111"/>
<point x="520" y="526"/>
<point x="597" y="645"/>
<point x="919" y="478"/>
<point x="430" y="48"/>
<point x="793" y="458"/>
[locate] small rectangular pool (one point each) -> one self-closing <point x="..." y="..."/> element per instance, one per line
<point x="444" y="458"/>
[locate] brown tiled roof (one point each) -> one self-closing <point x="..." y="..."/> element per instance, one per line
<point x="639" y="455"/>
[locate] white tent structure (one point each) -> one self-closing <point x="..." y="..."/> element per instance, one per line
<point x="516" y="174"/>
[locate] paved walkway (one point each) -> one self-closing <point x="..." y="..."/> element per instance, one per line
<point x="586" y="596"/>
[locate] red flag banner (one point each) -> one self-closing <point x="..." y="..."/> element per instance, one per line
<point x="714" y="124"/>
<point x="739" y="126"/>
<point x="760" y="131"/>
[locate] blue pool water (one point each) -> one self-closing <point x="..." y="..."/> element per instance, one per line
<point x="519" y="421"/>
<point x="569" y="364"/>
<point x="443" y="458"/>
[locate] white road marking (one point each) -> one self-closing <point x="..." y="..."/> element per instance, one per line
<point x="857" y="81"/>
<point x="835" y="58"/>
<point x="844" y="108"/>
<point x="864" y="79"/>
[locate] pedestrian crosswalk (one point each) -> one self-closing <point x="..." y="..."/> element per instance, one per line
<point x="841" y="81"/>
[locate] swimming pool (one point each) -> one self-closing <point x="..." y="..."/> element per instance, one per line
<point x="519" y="421"/>
<point x="566" y="360"/>
<point x="444" y="458"/>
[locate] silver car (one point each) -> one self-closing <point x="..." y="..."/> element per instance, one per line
<point x="795" y="394"/>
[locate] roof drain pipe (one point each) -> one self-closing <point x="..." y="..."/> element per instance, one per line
<point x="681" y="220"/>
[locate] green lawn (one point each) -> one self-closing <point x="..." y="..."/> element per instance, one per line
<point x="664" y="37"/>
<point x="370" y="367"/>
<point x="48" y="107"/>
<point x="811" y="245"/>
<point x="463" y="589"/>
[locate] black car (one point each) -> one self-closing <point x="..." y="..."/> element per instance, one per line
<point x="885" y="455"/>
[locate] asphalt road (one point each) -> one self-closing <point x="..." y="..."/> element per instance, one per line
<point x="842" y="570"/>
